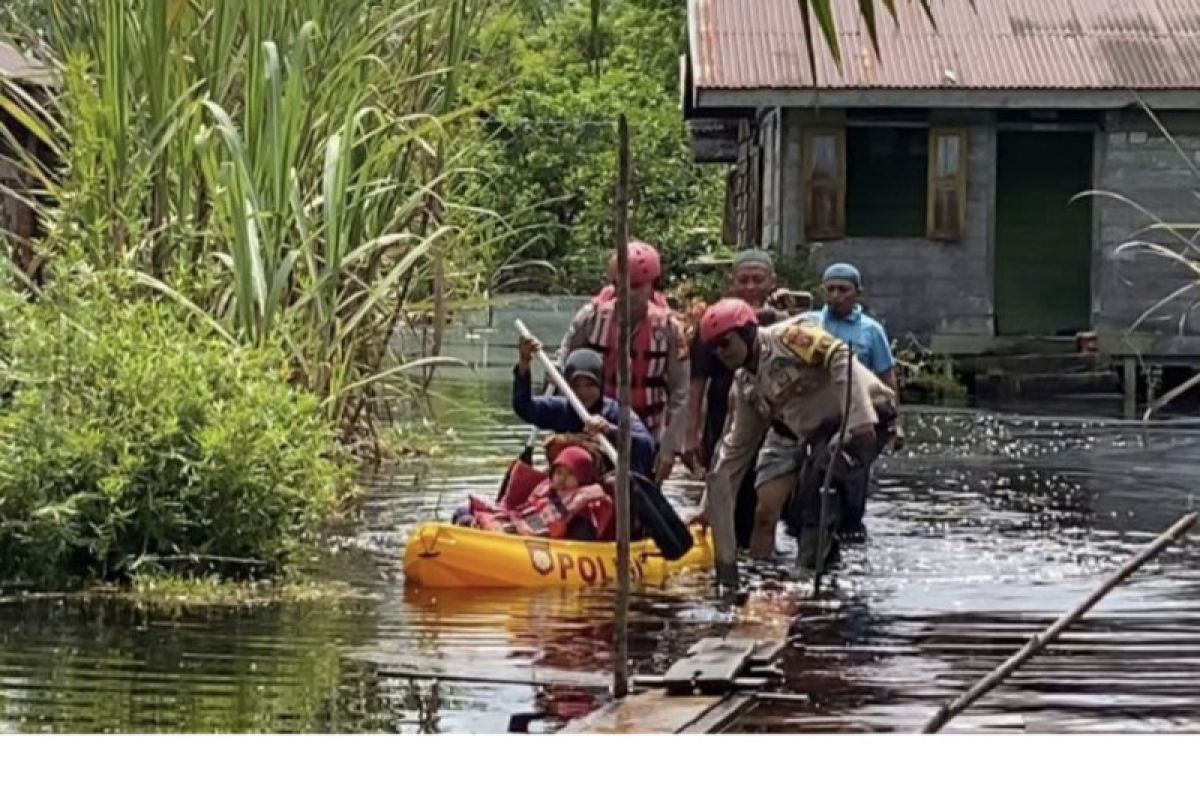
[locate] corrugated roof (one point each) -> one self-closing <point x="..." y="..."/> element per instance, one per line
<point x="998" y="44"/>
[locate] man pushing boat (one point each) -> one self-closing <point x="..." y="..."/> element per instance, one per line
<point x="658" y="352"/>
<point x="790" y="382"/>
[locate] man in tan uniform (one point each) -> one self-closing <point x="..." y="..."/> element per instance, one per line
<point x="790" y="381"/>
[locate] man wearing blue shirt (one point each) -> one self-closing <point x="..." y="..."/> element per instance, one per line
<point x="844" y="318"/>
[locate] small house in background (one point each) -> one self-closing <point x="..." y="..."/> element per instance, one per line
<point x="17" y="222"/>
<point x="948" y="166"/>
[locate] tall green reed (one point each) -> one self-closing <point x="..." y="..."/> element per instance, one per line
<point x="282" y="169"/>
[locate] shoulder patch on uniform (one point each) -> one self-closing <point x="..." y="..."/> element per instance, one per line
<point x="810" y="343"/>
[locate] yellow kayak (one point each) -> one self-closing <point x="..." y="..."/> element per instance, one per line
<point x="447" y="556"/>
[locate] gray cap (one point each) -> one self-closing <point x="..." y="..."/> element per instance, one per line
<point x="585" y="362"/>
<point x="754" y="256"/>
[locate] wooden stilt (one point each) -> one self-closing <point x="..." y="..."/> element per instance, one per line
<point x="1129" y="387"/>
<point x="621" y="612"/>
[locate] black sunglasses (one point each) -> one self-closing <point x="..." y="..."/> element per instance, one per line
<point x="724" y="341"/>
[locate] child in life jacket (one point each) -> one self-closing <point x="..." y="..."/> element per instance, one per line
<point x="569" y="504"/>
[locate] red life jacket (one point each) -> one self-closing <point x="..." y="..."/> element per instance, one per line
<point x="650" y="352"/>
<point x="548" y="514"/>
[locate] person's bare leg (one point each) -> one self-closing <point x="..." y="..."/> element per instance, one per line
<point x="771" y="497"/>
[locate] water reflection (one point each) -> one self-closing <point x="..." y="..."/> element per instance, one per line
<point x="981" y="532"/>
<point x="85" y="665"/>
<point x="981" y="535"/>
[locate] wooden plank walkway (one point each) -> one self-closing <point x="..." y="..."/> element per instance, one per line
<point x="758" y="634"/>
<point x="655" y="712"/>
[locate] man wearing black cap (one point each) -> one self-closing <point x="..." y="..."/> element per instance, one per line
<point x="584" y="371"/>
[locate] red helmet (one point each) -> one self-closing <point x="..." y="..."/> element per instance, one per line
<point x="724" y="316"/>
<point x="644" y="264"/>
<point x="579" y="461"/>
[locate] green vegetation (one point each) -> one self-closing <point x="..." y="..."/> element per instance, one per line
<point x="550" y="90"/>
<point x="237" y="204"/>
<point x="277" y="168"/>
<point x="927" y="377"/>
<point x="550" y="79"/>
<point x="131" y="436"/>
<point x="171" y="594"/>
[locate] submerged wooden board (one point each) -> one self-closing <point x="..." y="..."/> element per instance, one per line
<point x="717" y="718"/>
<point x="651" y="712"/>
<point x="710" y="667"/>
<point x="761" y="630"/>
<point x="655" y="712"/>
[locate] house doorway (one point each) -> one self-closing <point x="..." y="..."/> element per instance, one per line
<point x="1043" y="240"/>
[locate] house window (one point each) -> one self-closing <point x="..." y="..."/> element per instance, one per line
<point x="947" y="212"/>
<point x="825" y="179"/>
<point x="886" y="181"/>
<point x="889" y="182"/>
<point x="743" y="214"/>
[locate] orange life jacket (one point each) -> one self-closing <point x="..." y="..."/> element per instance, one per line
<point x="650" y="351"/>
<point x="609" y="295"/>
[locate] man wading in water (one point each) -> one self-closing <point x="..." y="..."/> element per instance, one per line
<point x="843" y="316"/>
<point x="752" y="281"/>
<point x="790" y="380"/>
<point x="658" y="352"/>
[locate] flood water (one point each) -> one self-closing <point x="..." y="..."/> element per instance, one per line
<point x="986" y="528"/>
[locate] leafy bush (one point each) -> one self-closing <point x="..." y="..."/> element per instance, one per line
<point x="926" y="376"/>
<point x="131" y="435"/>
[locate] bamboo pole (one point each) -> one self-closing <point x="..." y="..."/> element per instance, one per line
<point x="1157" y="405"/>
<point x="824" y="536"/>
<point x="621" y="613"/>
<point x="1039" y="641"/>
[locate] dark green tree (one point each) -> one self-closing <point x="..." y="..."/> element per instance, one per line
<point x="550" y="86"/>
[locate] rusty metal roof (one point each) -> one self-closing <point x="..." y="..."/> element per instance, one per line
<point x="998" y="44"/>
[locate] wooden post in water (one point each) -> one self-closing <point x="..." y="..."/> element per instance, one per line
<point x="1039" y="641"/>
<point x="620" y="616"/>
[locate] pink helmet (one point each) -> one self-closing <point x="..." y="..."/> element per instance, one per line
<point x="644" y="264"/>
<point x="724" y="316"/>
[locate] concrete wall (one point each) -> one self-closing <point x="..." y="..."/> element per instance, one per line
<point x="485" y="339"/>
<point x="1136" y="160"/>
<point x="914" y="286"/>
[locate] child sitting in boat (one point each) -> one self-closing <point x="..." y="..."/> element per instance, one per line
<point x="569" y="504"/>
